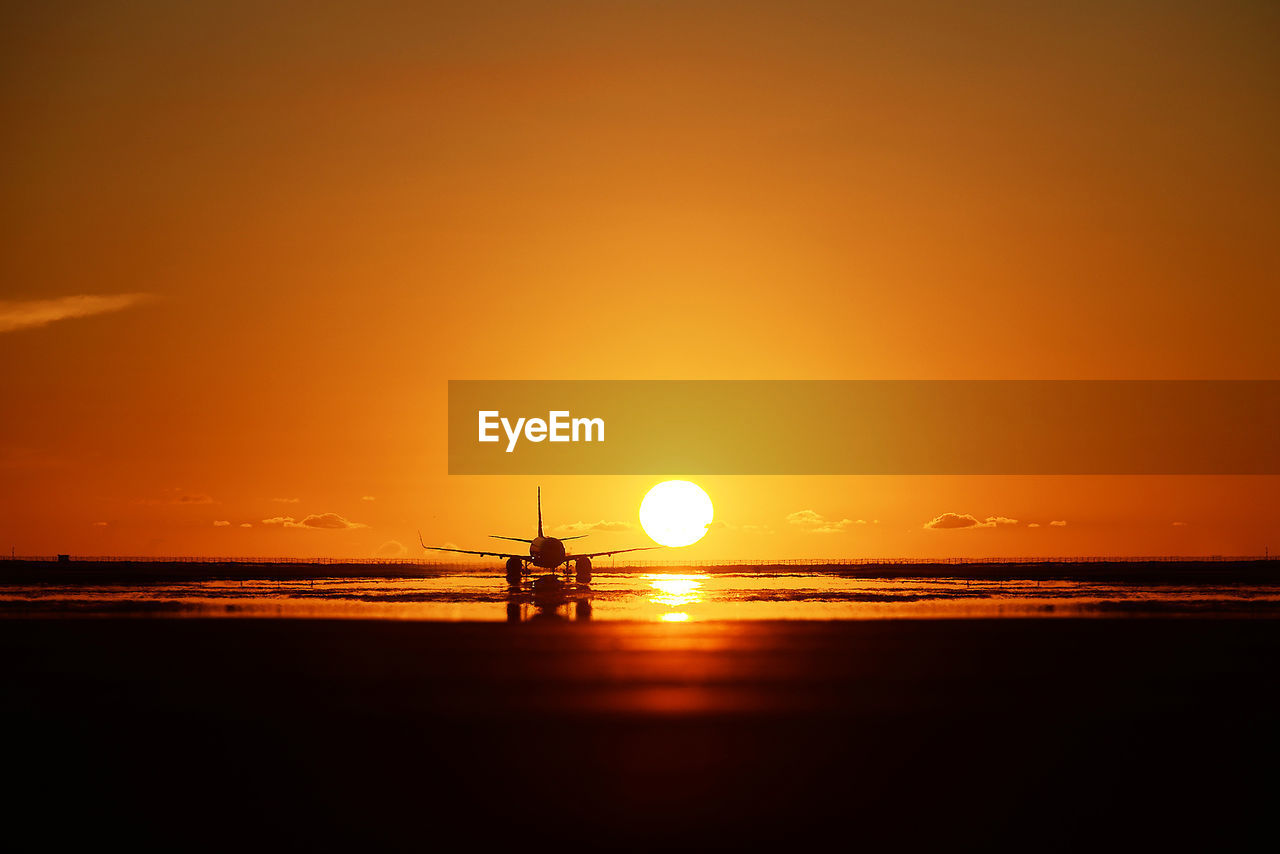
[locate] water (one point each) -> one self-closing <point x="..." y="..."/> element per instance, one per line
<point x="652" y="597"/>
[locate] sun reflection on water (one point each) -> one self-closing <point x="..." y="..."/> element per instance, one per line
<point x="675" y="591"/>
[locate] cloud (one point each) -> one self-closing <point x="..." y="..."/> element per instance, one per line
<point x="816" y="523"/>
<point x="952" y="520"/>
<point x="20" y="457"/>
<point x="221" y="523"/>
<point x="746" y="529"/>
<point x="1033" y="524"/>
<point x="178" y="496"/>
<point x="246" y="524"/>
<point x="324" y="521"/>
<point x="1179" y="524"/>
<point x="602" y="525"/>
<point x="28" y="314"/>
<point x="367" y="498"/>
<point x="331" y="521"/>
<point x="286" y="500"/>
<point x="1062" y="523"/>
<point x="391" y="548"/>
<point x="104" y="524"/>
<point x="804" y="517"/>
<point x="966" y="520"/>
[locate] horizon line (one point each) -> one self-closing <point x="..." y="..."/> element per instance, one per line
<point x="707" y="562"/>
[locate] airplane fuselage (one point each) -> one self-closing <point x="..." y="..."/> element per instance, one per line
<point x="546" y="552"/>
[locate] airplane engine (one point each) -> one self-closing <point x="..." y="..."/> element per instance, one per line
<point x="583" y="567"/>
<point x="515" y="568"/>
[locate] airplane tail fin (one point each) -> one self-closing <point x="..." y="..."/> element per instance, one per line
<point x="539" y="511"/>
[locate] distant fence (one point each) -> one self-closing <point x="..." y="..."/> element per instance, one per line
<point x="623" y="562"/>
<point x="246" y="561"/>
<point x="934" y="561"/>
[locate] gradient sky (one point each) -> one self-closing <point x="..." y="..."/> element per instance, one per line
<point x="246" y="247"/>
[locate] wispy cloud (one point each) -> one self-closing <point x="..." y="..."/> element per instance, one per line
<point x="720" y="524"/>
<point x="587" y="527"/>
<point x="286" y="500"/>
<point x="367" y="498"/>
<point x="815" y="523"/>
<point x="28" y="314"/>
<point x="179" y="496"/>
<point x="391" y="548"/>
<point x="221" y="523"/>
<point x="1061" y="523"/>
<point x="322" y="521"/>
<point x="22" y="457"/>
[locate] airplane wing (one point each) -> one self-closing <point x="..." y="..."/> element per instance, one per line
<point x="613" y="552"/>
<point x="466" y="552"/>
<point x="482" y="554"/>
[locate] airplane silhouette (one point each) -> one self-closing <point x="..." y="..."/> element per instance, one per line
<point x="544" y="552"/>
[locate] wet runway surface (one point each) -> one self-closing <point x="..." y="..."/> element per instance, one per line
<point x="643" y="734"/>
<point x="667" y="596"/>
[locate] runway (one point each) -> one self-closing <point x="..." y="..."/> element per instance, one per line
<point x="343" y="733"/>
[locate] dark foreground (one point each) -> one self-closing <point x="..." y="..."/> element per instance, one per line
<point x="349" y="734"/>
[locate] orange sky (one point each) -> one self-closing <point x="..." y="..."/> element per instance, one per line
<point x="329" y="210"/>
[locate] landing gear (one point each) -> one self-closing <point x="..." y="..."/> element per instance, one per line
<point x="558" y="579"/>
<point x="515" y="570"/>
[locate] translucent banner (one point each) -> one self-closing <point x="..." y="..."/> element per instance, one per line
<point x="660" y="427"/>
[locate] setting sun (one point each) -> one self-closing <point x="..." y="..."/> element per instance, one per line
<point x="676" y="513"/>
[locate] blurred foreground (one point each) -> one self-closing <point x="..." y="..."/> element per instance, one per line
<point x="355" y="733"/>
